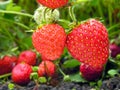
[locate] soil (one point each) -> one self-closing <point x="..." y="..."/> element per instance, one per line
<point x="110" y="84"/>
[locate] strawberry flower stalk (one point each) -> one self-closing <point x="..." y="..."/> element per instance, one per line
<point x="65" y="77"/>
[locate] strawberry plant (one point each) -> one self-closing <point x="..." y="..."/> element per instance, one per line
<point x="60" y="44"/>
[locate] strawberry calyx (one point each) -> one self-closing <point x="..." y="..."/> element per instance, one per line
<point x="44" y="15"/>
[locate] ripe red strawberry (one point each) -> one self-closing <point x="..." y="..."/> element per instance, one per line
<point x="49" y="41"/>
<point x="53" y="3"/>
<point x="21" y="73"/>
<point x="47" y="68"/>
<point x="6" y="64"/>
<point x="88" y="43"/>
<point x="90" y="73"/>
<point x="28" y="57"/>
<point x="14" y="59"/>
<point x="44" y="59"/>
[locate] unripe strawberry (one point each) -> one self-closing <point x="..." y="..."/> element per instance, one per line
<point x="53" y="3"/>
<point x="46" y="68"/>
<point x="91" y="73"/>
<point x="28" y="57"/>
<point x="43" y="15"/>
<point x="49" y="41"/>
<point x="89" y="43"/>
<point x="21" y="73"/>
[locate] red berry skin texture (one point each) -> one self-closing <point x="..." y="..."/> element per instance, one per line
<point x="53" y="3"/>
<point x="6" y="64"/>
<point x="49" y="41"/>
<point x="28" y="57"/>
<point x="89" y="43"/>
<point x="21" y="73"/>
<point x="90" y="73"/>
<point x="46" y="68"/>
<point x="115" y="50"/>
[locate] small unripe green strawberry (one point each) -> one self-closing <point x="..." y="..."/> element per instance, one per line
<point x="53" y="3"/>
<point x="21" y="73"/>
<point x="49" y="41"/>
<point x="89" y="43"/>
<point x="43" y="15"/>
<point x="46" y="68"/>
<point x="28" y="57"/>
<point x="91" y="73"/>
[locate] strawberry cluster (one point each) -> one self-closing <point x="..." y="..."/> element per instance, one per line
<point x="87" y="42"/>
<point x="22" y="71"/>
<point x="20" y="67"/>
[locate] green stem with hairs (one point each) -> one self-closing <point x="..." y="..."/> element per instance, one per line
<point x="114" y="26"/>
<point x="17" y="23"/>
<point x="71" y="13"/>
<point x="5" y="75"/>
<point x="114" y="33"/>
<point x="61" y="70"/>
<point x="17" y="13"/>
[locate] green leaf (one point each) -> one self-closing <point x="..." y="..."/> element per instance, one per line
<point x="11" y="86"/>
<point x="112" y="72"/>
<point x="118" y="57"/>
<point x="12" y="7"/>
<point x="4" y="4"/>
<point x="77" y="78"/>
<point x="99" y="83"/>
<point x="42" y="80"/>
<point x="71" y="63"/>
<point x="35" y="68"/>
<point x="34" y="75"/>
<point x="27" y="41"/>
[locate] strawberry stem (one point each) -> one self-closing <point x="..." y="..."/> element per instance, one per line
<point x="5" y="75"/>
<point x="61" y="71"/>
<point x="44" y="14"/>
<point x="71" y="13"/>
<point x="17" y="13"/>
<point x="19" y="24"/>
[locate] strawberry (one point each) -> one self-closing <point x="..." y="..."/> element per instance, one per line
<point x="49" y="41"/>
<point x="90" y="73"/>
<point x="21" y="73"/>
<point x="28" y="57"/>
<point x="89" y="43"/>
<point x="46" y="68"/>
<point x="53" y="3"/>
<point x="6" y="64"/>
<point x="14" y="59"/>
<point x="115" y="50"/>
